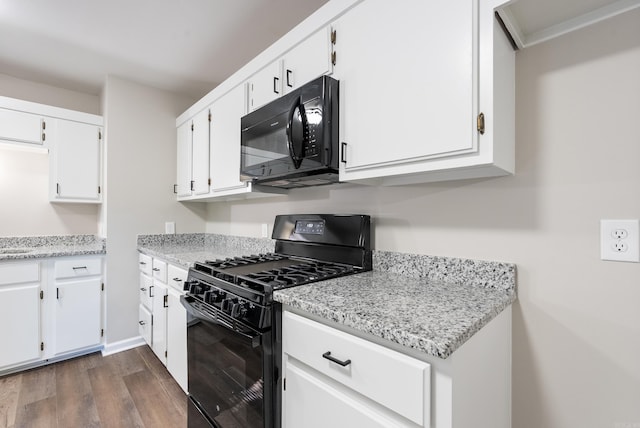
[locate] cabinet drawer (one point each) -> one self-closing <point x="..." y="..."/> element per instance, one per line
<point x="78" y="267"/>
<point x="145" y="263"/>
<point x="146" y="291"/>
<point x="392" y="379"/>
<point x="159" y="270"/>
<point x="144" y="324"/>
<point x="19" y="273"/>
<point x="176" y="277"/>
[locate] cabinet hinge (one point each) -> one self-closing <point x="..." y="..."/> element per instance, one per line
<point x="102" y="332"/>
<point x="284" y="384"/>
<point x="480" y="123"/>
<point x="102" y="287"/>
<point x="333" y="58"/>
<point x="333" y="37"/>
<point x="42" y="346"/>
<point x="41" y="294"/>
<point x="44" y="125"/>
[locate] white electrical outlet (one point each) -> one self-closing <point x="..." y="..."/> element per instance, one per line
<point x="265" y="230"/>
<point x="170" y="227"/>
<point x="620" y="240"/>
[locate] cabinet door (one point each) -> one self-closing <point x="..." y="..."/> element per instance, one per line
<point x="19" y="324"/>
<point x="177" y="338"/>
<point x="407" y="81"/>
<point x="184" y="154"/>
<point x="20" y="127"/>
<point x="265" y="85"/>
<point x="76" y="162"/>
<point x="308" y="60"/>
<point x="159" y="321"/>
<point x="77" y="314"/>
<point x="145" y="324"/>
<point x="200" y="155"/>
<point x="307" y="398"/>
<point x="225" y="139"/>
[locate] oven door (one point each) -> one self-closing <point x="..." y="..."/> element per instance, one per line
<point x="229" y="365"/>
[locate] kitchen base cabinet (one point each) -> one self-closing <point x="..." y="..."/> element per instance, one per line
<point x="19" y="313"/>
<point x="335" y="376"/>
<point x="50" y="310"/>
<point x="162" y="321"/>
<point x="78" y="303"/>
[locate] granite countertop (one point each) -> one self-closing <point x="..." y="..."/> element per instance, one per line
<point x="35" y="247"/>
<point x="431" y="304"/>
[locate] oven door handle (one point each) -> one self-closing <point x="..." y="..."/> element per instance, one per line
<point x="254" y="340"/>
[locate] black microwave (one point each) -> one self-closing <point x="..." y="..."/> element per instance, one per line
<point x="293" y="141"/>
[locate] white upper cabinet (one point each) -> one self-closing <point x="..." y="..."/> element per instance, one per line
<point x="193" y="145"/>
<point x="75" y="161"/>
<point x="21" y="127"/>
<point x="265" y="85"/>
<point x="200" y="155"/>
<point x="184" y="154"/>
<point x="225" y="140"/>
<point x="410" y="106"/>
<point x="307" y="60"/>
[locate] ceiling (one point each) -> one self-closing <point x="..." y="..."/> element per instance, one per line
<point x="184" y="46"/>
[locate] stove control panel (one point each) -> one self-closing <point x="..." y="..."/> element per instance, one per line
<point x="234" y="306"/>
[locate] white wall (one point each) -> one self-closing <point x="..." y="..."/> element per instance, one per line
<point x="576" y="332"/>
<point x="140" y="172"/>
<point x="24" y="174"/>
<point x="44" y="94"/>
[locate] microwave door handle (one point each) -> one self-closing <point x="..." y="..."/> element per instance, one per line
<point x="293" y="140"/>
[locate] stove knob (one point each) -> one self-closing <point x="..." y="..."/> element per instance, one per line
<point x="207" y="298"/>
<point x="238" y="310"/>
<point x="187" y="285"/>
<point x="226" y="305"/>
<point x="195" y="287"/>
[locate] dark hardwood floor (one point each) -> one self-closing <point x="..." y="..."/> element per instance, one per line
<point x="127" y="389"/>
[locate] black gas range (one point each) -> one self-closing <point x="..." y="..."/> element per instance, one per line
<point x="233" y="339"/>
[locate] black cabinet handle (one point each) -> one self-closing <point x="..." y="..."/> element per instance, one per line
<point x="79" y="267"/>
<point x="343" y="152"/>
<point x="156" y="269"/>
<point x="150" y="290"/>
<point x="141" y="322"/>
<point x="328" y="356"/>
<point x="192" y="183"/>
<point x="275" y="85"/>
<point x="57" y="293"/>
<point x="143" y="263"/>
<point x="143" y="289"/>
<point x="288" y="78"/>
<point x="165" y="303"/>
<point x="177" y="279"/>
<point x="175" y="188"/>
<point x="57" y="187"/>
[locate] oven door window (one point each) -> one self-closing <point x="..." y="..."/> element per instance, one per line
<point x="226" y="374"/>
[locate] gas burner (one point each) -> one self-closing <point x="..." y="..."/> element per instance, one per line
<point x="245" y="260"/>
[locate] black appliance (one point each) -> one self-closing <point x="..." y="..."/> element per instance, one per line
<point x="234" y="339"/>
<point x="293" y="141"/>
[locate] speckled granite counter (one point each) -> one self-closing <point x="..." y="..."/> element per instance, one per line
<point x="431" y="304"/>
<point x="35" y="247"/>
<point x="186" y="249"/>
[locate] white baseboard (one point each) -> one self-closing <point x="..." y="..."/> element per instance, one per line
<point x="122" y="345"/>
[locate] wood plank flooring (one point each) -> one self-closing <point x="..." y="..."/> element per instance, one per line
<point x="127" y="389"/>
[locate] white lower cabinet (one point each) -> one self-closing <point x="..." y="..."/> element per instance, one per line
<point x="159" y="321"/>
<point x="19" y="313"/>
<point x="78" y="303"/>
<point x="162" y="318"/>
<point x="332" y="368"/>
<point x="50" y="309"/>
<point x="336" y="379"/>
